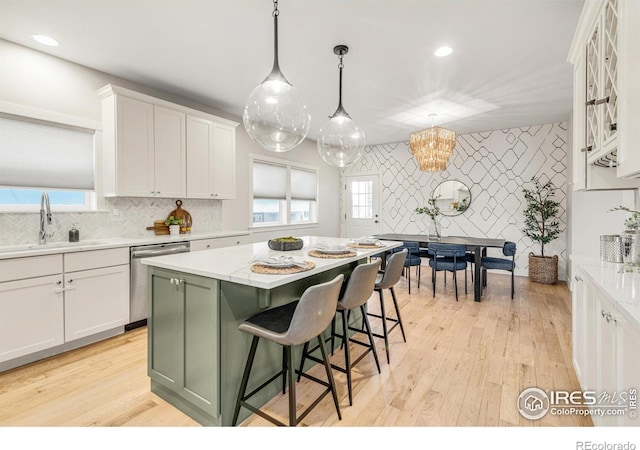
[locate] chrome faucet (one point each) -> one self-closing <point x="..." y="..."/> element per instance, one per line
<point x="44" y="205"/>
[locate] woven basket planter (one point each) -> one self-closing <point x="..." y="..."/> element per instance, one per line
<point x="543" y="269"/>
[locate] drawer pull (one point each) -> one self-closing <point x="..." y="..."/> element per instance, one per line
<point x="587" y="149"/>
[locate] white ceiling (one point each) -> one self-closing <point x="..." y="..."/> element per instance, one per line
<point x="508" y="67"/>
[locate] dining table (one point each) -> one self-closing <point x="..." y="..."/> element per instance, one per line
<point x="476" y="245"/>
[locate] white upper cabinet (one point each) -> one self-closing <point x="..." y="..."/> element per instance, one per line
<point x="598" y="126"/>
<point x="629" y="88"/>
<point x="211" y="159"/>
<point x="170" y="152"/>
<point x="154" y="148"/>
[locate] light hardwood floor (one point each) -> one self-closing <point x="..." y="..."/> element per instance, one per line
<point x="464" y="364"/>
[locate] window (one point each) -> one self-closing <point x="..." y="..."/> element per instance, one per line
<point x="283" y="193"/>
<point x="38" y="156"/>
<point x="361" y="199"/>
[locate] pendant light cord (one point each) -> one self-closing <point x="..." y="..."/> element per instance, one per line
<point x="276" y="73"/>
<point x="340" y="111"/>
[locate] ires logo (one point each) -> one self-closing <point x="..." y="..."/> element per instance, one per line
<point x="534" y="403"/>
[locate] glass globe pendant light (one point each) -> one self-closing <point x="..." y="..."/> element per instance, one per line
<point x="275" y="116"/>
<point x="340" y="142"/>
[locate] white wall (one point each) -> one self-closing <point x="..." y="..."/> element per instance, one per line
<point x="36" y="80"/>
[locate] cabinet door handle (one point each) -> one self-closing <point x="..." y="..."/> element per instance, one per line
<point x="587" y="149"/>
<point x="578" y="278"/>
<point x="603" y="313"/>
<point x="590" y="102"/>
<point x="613" y="127"/>
<point x="600" y="101"/>
<point x="59" y="289"/>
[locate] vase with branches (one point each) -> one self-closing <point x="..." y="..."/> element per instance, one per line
<point x="433" y="211"/>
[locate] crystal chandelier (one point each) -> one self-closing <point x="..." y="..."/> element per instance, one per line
<point x="340" y="142"/>
<point x="275" y="116"/>
<point x="432" y="147"/>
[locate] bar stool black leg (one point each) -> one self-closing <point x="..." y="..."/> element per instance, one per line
<point x="384" y="325"/>
<point x="367" y="327"/>
<point x="395" y="305"/>
<point x="284" y="373"/>
<point x="305" y="351"/>
<point x="245" y="380"/>
<point x="347" y="356"/>
<point x="332" y="384"/>
<point x="292" y="386"/>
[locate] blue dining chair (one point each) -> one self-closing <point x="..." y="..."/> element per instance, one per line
<point x="491" y="262"/>
<point x="413" y="260"/>
<point x="448" y="258"/>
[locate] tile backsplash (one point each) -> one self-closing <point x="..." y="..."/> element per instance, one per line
<point x="121" y="217"/>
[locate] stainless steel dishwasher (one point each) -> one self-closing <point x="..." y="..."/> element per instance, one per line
<point x="139" y="291"/>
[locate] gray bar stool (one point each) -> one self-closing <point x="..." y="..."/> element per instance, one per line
<point x="292" y="324"/>
<point x="386" y="280"/>
<point x="358" y="290"/>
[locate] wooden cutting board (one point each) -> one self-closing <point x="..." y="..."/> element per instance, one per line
<point x="183" y="214"/>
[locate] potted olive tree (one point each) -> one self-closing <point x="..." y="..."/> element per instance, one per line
<point x="541" y="225"/>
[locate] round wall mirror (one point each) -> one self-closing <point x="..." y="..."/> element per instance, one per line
<point x="453" y="197"/>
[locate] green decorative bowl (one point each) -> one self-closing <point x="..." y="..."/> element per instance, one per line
<point x="285" y="245"/>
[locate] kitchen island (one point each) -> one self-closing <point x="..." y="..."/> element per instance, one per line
<point x="196" y="354"/>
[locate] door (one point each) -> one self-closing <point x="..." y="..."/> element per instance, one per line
<point x="31" y="316"/>
<point x="95" y="300"/>
<point x="362" y="205"/>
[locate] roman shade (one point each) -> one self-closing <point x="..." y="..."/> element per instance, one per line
<point x="303" y="184"/>
<point x="38" y="155"/>
<point x="269" y="181"/>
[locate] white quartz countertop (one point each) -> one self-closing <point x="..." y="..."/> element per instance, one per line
<point x="18" y="251"/>
<point x="622" y="287"/>
<point x="234" y="263"/>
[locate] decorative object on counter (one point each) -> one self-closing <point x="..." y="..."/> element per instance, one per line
<point x="341" y="142"/>
<point x="433" y="211"/>
<point x="159" y="227"/>
<point x="541" y="225"/>
<point x="630" y="237"/>
<point x="611" y="248"/>
<point x="174" y="225"/>
<point x="74" y="234"/>
<point x="184" y="216"/>
<point x="286" y="243"/>
<point x="275" y="116"/>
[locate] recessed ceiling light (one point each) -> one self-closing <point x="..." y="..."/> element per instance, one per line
<point x="443" y="51"/>
<point x="46" y="40"/>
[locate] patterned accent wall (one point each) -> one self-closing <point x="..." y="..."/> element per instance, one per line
<point x="495" y="165"/>
<point x="134" y="215"/>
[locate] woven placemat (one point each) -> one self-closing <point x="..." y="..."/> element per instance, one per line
<point x="259" y="268"/>
<point x="317" y="254"/>
<point x="370" y="246"/>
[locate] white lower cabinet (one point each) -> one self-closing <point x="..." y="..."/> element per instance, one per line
<point x="95" y="300"/>
<point x="228" y="241"/>
<point x="605" y="351"/>
<point x="31" y="316"/>
<point x="43" y="307"/>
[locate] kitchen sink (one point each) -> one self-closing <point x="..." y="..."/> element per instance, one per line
<point x="54" y="245"/>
